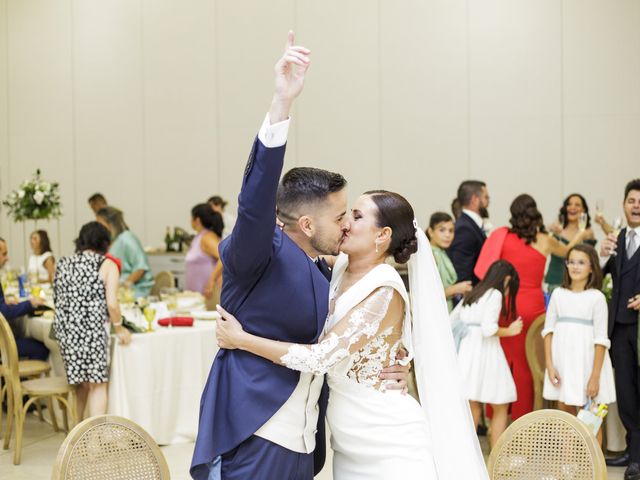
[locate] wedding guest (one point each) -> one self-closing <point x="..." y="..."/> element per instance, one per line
<point x="97" y="202"/>
<point x="203" y="267"/>
<point x="86" y="303"/>
<point x="565" y="229"/>
<point x="456" y="209"/>
<point x="526" y="246"/>
<point x="136" y="272"/>
<point x="441" y="234"/>
<point x="486" y="375"/>
<point x="14" y="311"/>
<point x="42" y="264"/>
<point x="575" y="337"/>
<point x="621" y="258"/>
<point x="218" y="204"/>
<point x="473" y="197"/>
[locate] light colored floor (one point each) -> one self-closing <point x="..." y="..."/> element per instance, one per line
<point x="41" y="444"/>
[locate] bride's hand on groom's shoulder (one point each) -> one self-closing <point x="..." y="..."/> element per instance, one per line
<point x="228" y="330"/>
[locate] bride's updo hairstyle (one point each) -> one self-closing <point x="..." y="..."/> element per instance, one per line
<point x="396" y="213"/>
<point x="526" y="220"/>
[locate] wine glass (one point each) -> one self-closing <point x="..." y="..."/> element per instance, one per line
<point x="616" y="226"/>
<point x="582" y="222"/>
<point x="150" y="316"/>
<point x="599" y="206"/>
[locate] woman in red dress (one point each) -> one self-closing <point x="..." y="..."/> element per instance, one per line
<point x="526" y="246"/>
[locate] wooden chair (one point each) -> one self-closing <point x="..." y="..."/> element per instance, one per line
<point x="40" y="388"/>
<point x="534" y="348"/>
<point x="27" y="369"/>
<point x="108" y="447"/>
<point x="547" y="444"/>
<point x="162" y="280"/>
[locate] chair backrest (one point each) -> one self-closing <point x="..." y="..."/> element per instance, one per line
<point x="162" y="280"/>
<point x="108" y="447"/>
<point x="9" y="353"/>
<point x="547" y="444"/>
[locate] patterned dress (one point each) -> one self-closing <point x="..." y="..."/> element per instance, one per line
<point x="81" y="316"/>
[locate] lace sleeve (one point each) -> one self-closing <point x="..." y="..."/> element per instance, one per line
<point x="347" y="336"/>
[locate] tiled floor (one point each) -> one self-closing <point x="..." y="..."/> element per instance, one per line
<point x="41" y="444"/>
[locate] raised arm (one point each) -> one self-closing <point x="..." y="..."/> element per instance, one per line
<point x="349" y="334"/>
<point x="248" y="249"/>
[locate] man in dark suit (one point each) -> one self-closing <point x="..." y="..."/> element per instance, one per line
<point x="259" y="420"/>
<point x="473" y="197"/>
<point x="622" y="257"/>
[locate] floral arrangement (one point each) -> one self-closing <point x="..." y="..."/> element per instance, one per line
<point x="34" y="200"/>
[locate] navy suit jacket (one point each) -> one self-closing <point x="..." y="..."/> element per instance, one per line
<point x="626" y="278"/>
<point x="276" y="291"/>
<point x="11" y="312"/>
<point x="466" y="246"/>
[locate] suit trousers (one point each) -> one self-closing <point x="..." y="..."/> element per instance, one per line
<point x="624" y="356"/>
<point x="260" y="459"/>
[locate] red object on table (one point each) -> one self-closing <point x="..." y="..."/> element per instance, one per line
<point x="176" y="322"/>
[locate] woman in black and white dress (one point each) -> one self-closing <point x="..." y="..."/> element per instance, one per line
<point x="85" y="296"/>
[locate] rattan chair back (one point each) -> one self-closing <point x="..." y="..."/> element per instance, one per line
<point x="164" y="279"/>
<point x="547" y="444"/>
<point x="108" y="447"/>
<point x="534" y="349"/>
<point x="9" y="354"/>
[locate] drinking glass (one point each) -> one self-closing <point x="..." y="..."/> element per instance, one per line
<point x="582" y="222"/>
<point x="170" y="295"/>
<point x="150" y="316"/>
<point x="599" y="206"/>
<point x="617" y="226"/>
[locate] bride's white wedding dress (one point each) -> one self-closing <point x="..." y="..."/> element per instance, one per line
<point x="378" y="433"/>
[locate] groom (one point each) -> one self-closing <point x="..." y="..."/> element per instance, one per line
<point x="264" y="420"/>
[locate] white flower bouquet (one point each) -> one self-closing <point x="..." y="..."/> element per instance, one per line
<point x="34" y="200"/>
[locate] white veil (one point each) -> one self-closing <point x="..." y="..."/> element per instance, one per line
<point x="456" y="449"/>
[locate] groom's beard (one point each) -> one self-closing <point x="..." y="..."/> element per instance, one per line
<point x="325" y="246"/>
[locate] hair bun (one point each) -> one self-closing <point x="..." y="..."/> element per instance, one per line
<point x="404" y="252"/>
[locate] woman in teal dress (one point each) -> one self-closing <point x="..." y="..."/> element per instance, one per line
<point x="565" y="230"/>
<point x="136" y="273"/>
<point x="441" y="232"/>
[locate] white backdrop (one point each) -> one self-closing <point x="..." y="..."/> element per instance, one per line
<point x="155" y="102"/>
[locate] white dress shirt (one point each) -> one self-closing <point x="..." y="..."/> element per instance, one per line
<point x="475" y="217"/>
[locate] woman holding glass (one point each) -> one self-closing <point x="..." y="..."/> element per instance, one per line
<point x="86" y="303"/>
<point x="573" y="219"/>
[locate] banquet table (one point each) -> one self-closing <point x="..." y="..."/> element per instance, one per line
<point x="156" y="380"/>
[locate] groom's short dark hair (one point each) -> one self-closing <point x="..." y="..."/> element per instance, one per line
<point x="302" y="186"/>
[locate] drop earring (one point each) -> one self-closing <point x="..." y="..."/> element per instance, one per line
<point x="376" y="247"/>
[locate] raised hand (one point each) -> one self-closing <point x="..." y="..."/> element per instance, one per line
<point x="290" y="72"/>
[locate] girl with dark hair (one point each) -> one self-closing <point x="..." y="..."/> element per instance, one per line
<point x="42" y="264"/>
<point x="85" y="293"/>
<point x="576" y="342"/>
<point x="203" y="267"/>
<point x="441" y="232"/>
<point x="526" y="246"/>
<point x="485" y="373"/>
<point x="375" y="431"/>
<point x="572" y="219"/>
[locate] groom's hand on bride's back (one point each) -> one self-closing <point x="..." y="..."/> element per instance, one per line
<point x="398" y="373"/>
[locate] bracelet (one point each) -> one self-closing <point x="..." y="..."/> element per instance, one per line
<point x="117" y="324"/>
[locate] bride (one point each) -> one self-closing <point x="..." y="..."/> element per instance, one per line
<point x="378" y="433"/>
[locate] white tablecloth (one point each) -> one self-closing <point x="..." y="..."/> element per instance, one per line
<point x="156" y="380"/>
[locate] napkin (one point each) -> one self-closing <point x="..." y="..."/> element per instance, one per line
<point x="176" y="322"/>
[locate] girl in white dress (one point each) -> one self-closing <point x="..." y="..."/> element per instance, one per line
<point x="42" y="264"/>
<point x="485" y="373"/>
<point x="575" y="336"/>
<point x="378" y="433"/>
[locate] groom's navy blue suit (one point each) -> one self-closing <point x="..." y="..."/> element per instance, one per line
<point x="277" y="292"/>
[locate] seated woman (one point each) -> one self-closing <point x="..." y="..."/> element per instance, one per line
<point x="86" y="304"/>
<point x="136" y="272"/>
<point x="203" y="272"/>
<point x="42" y="264"/>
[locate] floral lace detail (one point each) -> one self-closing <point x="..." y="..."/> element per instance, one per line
<point x="361" y="335"/>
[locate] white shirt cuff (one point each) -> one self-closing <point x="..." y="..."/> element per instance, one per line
<point x="273" y="136"/>
<point x="604" y="260"/>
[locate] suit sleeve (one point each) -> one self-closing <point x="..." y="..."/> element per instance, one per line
<point x="462" y="253"/>
<point x="14" y="311"/>
<point x="248" y="249"/>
